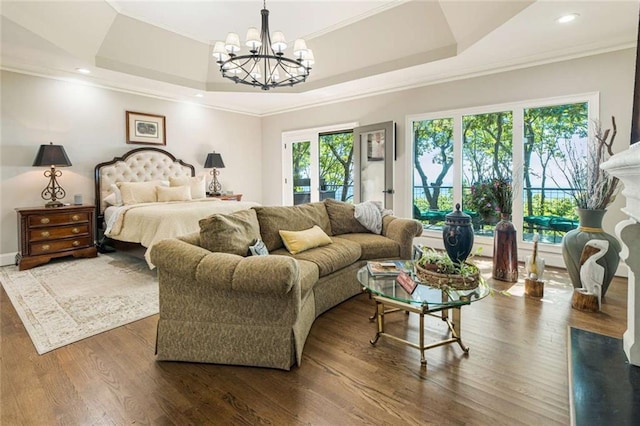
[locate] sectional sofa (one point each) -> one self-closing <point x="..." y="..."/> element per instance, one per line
<point x="220" y="305"/>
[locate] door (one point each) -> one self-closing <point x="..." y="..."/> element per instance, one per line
<point x="374" y="151"/>
<point x="318" y="164"/>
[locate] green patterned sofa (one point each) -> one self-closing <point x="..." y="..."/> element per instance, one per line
<point x="225" y="308"/>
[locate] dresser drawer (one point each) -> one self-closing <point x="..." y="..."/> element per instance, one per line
<point x="41" y="234"/>
<point x="59" y="245"/>
<point x="58" y="218"/>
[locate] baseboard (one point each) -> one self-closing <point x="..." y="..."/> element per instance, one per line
<point x="7" y="259"/>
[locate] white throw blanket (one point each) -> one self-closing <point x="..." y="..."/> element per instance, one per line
<point x="149" y="223"/>
<point x="370" y="214"/>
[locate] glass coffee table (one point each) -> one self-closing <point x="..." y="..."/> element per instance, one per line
<point x="424" y="300"/>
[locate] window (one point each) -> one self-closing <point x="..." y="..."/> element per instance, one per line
<point x="457" y="153"/>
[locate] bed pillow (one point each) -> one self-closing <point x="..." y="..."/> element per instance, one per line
<point x="117" y="195"/>
<point x="174" y="193"/>
<point x="299" y="241"/>
<point x="230" y="233"/>
<point x="138" y="192"/>
<point x="111" y="200"/>
<point x="198" y="185"/>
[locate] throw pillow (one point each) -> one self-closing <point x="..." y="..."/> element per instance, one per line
<point x="230" y="233"/>
<point x="138" y="192"/>
<point x="198" y="185"/>
<point x="258" y="248"/>
<point x="176" y="193"/>
<point x="369" y="214"/>
<point x="299" y="241"/>
<point x="342" y="217"/>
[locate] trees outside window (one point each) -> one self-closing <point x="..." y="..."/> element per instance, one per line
<point x="433" y="159"/>
<point x="545" y="135"/>
<point x="336" y="165"/>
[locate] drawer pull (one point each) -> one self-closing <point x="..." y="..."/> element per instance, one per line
<point x="45" y="220"/>
<point x="76" y="243"/>
<point x="45" y="234"/>
<point x="46" y="247"/>
<point x="75" y="217"/>
<point x="75" y="230"/>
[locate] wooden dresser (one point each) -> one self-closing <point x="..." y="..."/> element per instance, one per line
<point x="47" y="233"/>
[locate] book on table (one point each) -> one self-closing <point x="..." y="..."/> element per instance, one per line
<point x="386" y="268"/>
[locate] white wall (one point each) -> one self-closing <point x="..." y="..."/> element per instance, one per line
<point x="90" y="123"/>
<point x="610" y="74"/>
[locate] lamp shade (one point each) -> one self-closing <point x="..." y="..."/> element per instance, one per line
<point x="51" y="155"/>
<point x="214" y="161"/>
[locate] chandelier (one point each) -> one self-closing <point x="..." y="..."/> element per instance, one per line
<point x="265" y="65"/>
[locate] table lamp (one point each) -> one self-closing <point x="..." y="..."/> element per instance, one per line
<point x="52" y="156"/>
<point x="214" y="161"/>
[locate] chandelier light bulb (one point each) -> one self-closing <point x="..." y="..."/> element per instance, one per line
<point x="253" y="39"/>
<point x="299" y="48"/>
<point x="219" y="51"/>
<point x="232" y="43"/>
<point x="278" y="42"/>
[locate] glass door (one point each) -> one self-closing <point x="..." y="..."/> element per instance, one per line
<point x="318" y="164"/>
<point x="375" y="153"/>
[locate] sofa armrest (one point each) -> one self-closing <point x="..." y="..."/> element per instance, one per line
<point x="403" y="231"/>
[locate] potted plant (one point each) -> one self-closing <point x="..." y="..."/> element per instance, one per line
<point x="438" y="270"/>
<point x="593" y="190"/>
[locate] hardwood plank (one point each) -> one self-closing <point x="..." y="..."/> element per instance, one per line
<point x="514" y="374"/>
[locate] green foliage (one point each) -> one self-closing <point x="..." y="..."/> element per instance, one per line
<point x="562" y="207"/>
<point x="445" y="265"/>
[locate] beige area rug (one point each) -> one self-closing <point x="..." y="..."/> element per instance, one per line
<point x="70" y="299"/>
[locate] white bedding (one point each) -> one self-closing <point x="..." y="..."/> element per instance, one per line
<point x="149" y="223"/>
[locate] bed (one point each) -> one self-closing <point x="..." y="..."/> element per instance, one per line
<point x="132" y="217"/>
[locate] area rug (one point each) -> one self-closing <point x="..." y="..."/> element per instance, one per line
<point x="69" y="299"/>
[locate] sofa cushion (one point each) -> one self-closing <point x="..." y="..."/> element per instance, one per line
<point x="373" y="246"/>
<point x="341" y="217"/>
<point x="272" y="219"/>
<point x="230" y="233"/>
<point x="299" y="241"/>
<point x="330" y="258"/>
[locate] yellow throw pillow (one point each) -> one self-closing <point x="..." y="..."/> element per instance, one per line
<point x="299" y="241"/>
<point x="175" y="193"/>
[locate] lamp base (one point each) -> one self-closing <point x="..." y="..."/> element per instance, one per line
<point x="53" y="204"/>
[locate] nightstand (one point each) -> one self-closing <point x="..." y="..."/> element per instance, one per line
<point x="47" y="233"/>
<point x="229" y="197"/>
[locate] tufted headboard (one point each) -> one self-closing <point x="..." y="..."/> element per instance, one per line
<point x="137" y="165"/>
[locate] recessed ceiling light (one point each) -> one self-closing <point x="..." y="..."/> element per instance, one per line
<point x="199" y="95"/>
<point x="83" y="71"/>
<point x="567" y="18"/>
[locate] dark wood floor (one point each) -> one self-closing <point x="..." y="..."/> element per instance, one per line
<point x="515" y="372"/>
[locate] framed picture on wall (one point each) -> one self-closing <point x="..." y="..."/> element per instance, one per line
<point x="375" y="145"/>
<point x="145" y="129"/>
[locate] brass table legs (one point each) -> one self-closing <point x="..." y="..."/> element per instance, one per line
<point x="453" y="324"/>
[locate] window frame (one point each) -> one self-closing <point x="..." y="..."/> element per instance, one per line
<point x="434" y="237"/>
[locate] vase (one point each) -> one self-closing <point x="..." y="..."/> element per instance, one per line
<point x="457" y="235"/>
<point x="573" y="242"/>
<point x="505" y="250"/>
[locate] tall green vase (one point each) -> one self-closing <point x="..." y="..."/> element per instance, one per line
<point x="590" y="228"/>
